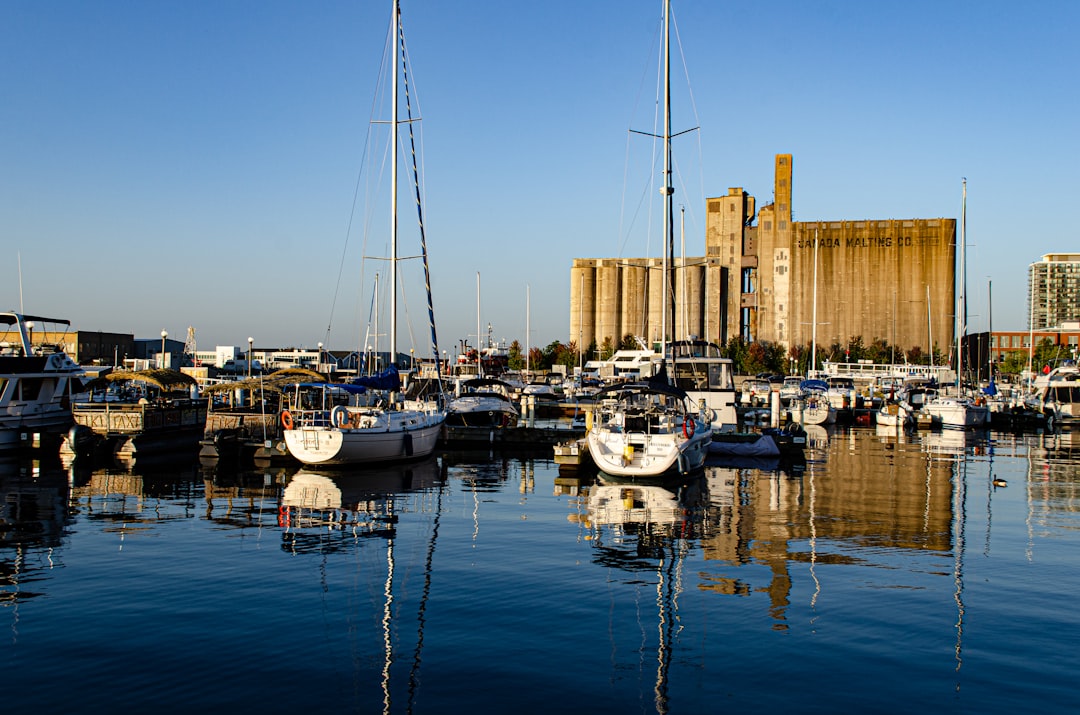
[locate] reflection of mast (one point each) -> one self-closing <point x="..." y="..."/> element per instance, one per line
<point x="959" y="509"/>
<point x="414" y="680"/>
<point x="388" y="640"/>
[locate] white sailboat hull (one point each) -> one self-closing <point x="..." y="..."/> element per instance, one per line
<point x="393" y="436"/>
<point x="638" y="454"/>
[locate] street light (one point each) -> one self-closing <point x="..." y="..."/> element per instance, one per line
<point x="318" y="364"/>
<point x="164" y="334"/>
<point x="250" y="341"/>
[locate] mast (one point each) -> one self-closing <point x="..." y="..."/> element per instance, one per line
<point x="479" y="368"/>
<point x="813" y="316"/>
<point x="667" y="189"/>
<point x="961" y="301"/>
<point x="990" y="330"/>
<point x="394" y="188"/>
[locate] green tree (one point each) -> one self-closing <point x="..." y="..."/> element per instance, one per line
<point x="515" y="358"/>
<point x="607" y="349"/>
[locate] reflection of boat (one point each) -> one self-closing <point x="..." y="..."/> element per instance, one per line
<point x="36" y="382"/>
<point x="404" y="427"/>
<point x="33" y="501"/>
<point x="353" y="491"/>
<point x="158" y="415"/>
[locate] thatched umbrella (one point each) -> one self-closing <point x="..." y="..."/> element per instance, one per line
<point x="274" y="382"/>
<point x="163" y="379"/>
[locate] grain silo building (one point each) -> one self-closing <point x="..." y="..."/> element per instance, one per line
<point x="891" y="279"/>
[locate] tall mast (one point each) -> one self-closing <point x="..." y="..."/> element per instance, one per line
<point x="813" y="316"/>
<point x="394" y="188"/>
<point x="668" y="189"/>
<point x="961" y="302"/>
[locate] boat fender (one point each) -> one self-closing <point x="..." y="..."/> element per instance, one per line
<point x="407" y="444"/>
<point x="286" y="419"/>
<point x="339" y="416"/>
<point x="688" y="426"/>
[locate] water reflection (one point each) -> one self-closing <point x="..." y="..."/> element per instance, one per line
<point x="33" y="521"/>
<point x="322" y="512"/>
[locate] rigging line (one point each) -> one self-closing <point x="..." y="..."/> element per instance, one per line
<point x="355" y="199"/>
<point x="419" y="205"/>
<point x="624" y="233"/>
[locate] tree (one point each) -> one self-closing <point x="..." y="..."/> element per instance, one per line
<point x="516" y="359"/>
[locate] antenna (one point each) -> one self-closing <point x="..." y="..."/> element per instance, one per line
<point x="20" y="282"/>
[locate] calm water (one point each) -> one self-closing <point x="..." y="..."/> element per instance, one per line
<point x="889" y="575"/>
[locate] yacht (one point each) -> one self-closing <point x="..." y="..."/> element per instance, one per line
<point x="38" y="383"/>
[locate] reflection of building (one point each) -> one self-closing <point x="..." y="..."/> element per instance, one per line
<point x="1054" y="290"/>
<point x="848" y="510"/>
<point x="889" y="279"/>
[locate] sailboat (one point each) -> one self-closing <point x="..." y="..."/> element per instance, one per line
<point x="646" y="429"/>
<point x="335" y="424"/>
<point x="959" y="411"/>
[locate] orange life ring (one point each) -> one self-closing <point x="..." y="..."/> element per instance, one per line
<point x="286" y="419"/>
<point x="688" y="428"/>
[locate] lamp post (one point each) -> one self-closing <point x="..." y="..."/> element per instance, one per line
<point x="250" y="341"/>
<point x="318" y="364"/>
<point x="164" y="334"/>
<point x="30" y="335"/>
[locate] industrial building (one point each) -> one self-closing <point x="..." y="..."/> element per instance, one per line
<point x="765" y="277"/>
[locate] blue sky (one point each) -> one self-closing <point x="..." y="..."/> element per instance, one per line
<point x="166" y="164"/>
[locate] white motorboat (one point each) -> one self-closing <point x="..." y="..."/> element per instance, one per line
<point x="1058" y="397"/>
<point x="707" y="377"/>
<point x="483" y="402"/>
<point x="38" y="383"/>
<point x="957" y="412"/>
<point x="323" y="428"/>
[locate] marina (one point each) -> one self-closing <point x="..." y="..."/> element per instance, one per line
<point x="929" y="571"/>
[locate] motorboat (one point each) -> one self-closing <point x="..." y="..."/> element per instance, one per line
<point x="483" y="402"/>
<point x="38" y="383"/>
<point x="1058" y="397"/>
<point x="699" y="368"/>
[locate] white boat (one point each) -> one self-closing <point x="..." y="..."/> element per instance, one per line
<point x="957" y="412"/>
<point x="812" y="405"/>
<point x="327" y="430"/>
<point x="1059" y="397"/>
<point x="37" y="383"/>
<point x="707" y="377"/>
<point x="647" y="429"/>
<point x="483" y="402"/>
